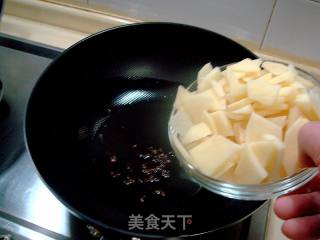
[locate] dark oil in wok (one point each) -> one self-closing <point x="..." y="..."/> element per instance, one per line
<point x="132" y="147"/>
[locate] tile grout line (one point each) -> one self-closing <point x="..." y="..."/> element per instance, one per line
<point x="268" y="24"/>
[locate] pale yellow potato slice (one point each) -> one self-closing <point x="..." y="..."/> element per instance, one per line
<point x="237" y="90"/>
<point x="246" y="65"/>
<point x="264" y="151"/>
<point x="228" y="176"/>
<point x="239" y="132"/>
<point x="249" y="170"/>
<point x="182" y="93"/>
<point x="220" y="103"/>
<point x="275" y="68"/>
<point x="263" y="92"/>
<point x="209" y="121"/>
<point x="246" y="110"/>
<point x="259" y="126"/>
<point x="303" y="102"/>
<point x="305" y="82"/>
<point x="227" y="167"/>
<point x="222" y="123"/>
<point x="300" y="88"/>
<point x="275" y="167"/>
<point x="240" y="74"/>
<point x="291" y="161"/>
<point x="204" y="71"/>
<point x="223" y="81"/>
<point x="195" y="143"/>
<point x="180" y="148"/>
<point x="195" y="104"/>
<point x="257" y="61"/>
<point x="250" y="76"/>
<point x="265" y="77"/>
<point x="181" y="122"/>
<point x="195" y="133"/>
<point x="239" y="104"/>
<point x="286" y="77"/>
<point x="211" y="155"/>
<point x="293" y="115"/>
<point x="314" y="94"/>
<point x="268" y="113"/>
<point x="236" y="117"/>
<point x="280" y="121"/>
<point x="276" y="106"/>
<point x="207" y="80"/>
<point x="218" y="89"/>
<point x="288" y="93"/>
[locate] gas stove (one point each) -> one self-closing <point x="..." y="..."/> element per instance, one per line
<point x="28" y="210"/>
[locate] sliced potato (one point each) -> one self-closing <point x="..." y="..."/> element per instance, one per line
<point x="212" y="76"/>
<point x="222" y="123"/>
<point x="218" y="89"/>
<point x="182" y="93"/>
<point x="263" y="92"/>
<point x="204" y="72"/>
<point x="209" y="121"/>
<point x="246" y="110"/>
<point x="181" y="122"/>
<point x="195" y="104"/>
<point x="237" y="90"/>
<point x="236" y="117"/>
<point x="280" y="121"/>
<point x="303" y="102"/>
<point x="268" y="113"/>
<point x="290" y="160"/>
<point x="259" y="126"/>
<point x="249" y="170"/>
<point x="239" y="132"/>
<point x="246" y="65"/>
<point x="275" y="167"/>
<point x="239" y="104"/>
<point x="305" y="82"/>
<point x="286" y="77"/>
<point x="196" y="132"/>
<point x="293" y="115"/>
<point x="275" y="68"/>
<point x="211" y="155"/>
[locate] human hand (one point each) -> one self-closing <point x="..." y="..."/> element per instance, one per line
<point x="301" y="209"/>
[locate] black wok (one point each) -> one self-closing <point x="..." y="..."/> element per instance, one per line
<point x="96" y="128"/>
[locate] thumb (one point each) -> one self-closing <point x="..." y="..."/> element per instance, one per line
<point x="309" y="144"/>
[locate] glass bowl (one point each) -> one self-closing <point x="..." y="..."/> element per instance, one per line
<point x="261" y="191"/>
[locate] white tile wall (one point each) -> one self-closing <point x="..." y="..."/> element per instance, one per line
<point x="295" y="28"/>
<point x="245" y="19"/>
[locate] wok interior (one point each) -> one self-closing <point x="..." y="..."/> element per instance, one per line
<point x="101" y="111"/>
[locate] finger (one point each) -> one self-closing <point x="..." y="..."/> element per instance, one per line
<point x="298" y="205"/>
<point x="309" y="144"/>
<point x="302" y="228"/>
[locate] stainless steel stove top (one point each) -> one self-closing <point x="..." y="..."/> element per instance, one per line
<point x="28" y="210"/>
